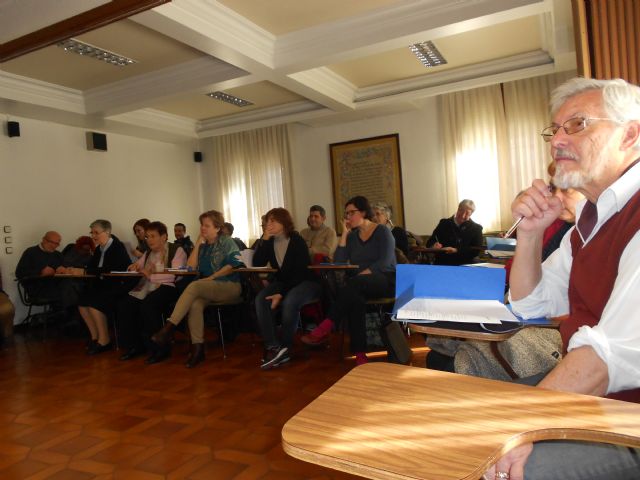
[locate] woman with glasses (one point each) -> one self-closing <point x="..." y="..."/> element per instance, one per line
<point x="292" y="286"/>
<point x="371" y="247"/>
<point x="215" y="256"/>
<point x="102" y="294"/>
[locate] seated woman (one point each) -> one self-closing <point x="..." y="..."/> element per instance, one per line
<point x="371" y="247"/>
<point x="293" y="285"/>
<point x="382" y="213"/>
<point x="102" y="294"/>
<point x="214" y="256"/>
<point x="140" y="312"/>
<point x="138" y="230"/>
<point x="76" y="256"/>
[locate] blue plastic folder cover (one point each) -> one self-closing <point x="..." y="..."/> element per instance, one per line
<point x="440" y="281"/>
<point x="463" y="283"/>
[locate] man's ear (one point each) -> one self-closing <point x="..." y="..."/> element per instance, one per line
<point x="630" y="136"/>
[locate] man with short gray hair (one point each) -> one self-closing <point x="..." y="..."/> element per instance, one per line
<point x="459" y="237"/>
<point x="593" y="277"/>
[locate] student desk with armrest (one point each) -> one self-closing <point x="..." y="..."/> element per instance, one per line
<point x="386" y="421"/>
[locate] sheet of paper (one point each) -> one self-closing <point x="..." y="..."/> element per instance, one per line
<point x="452" y="310"/>
<point x="500" y="253"/>
<point x="246" y="256"/>
<point x="485" y="265"/>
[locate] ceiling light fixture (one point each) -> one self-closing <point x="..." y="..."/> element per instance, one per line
<point x="88" y="50"/>
<point x="428" y="54"/>
<point x="225" y="97"/>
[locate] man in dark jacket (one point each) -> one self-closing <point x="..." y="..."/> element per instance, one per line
<point x="459" y="237"/>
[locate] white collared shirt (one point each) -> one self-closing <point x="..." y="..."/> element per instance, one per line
<point x="616" y="337"/>
<point x="103" y="250"/>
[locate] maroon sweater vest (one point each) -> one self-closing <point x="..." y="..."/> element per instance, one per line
<point x="593" y="274"/>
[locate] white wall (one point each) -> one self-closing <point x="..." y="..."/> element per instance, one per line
<point x="421" y="158"/>
<point x="50" y="181"/>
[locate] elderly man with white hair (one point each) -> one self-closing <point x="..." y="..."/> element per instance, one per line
<point x="594" y="276"/>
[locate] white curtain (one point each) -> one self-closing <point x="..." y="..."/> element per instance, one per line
<point x="526" y="105"/>
<point x="474" y="148"/>
<point x="252" y="170"/>
<point x="492" y="144"/>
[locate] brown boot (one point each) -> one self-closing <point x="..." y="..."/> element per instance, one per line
<point x="163" y="336"/>
<point x="196" y="356"/>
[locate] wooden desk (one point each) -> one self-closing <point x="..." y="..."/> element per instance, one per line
<point x="387" y="421"/>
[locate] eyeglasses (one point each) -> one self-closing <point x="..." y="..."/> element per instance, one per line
<point x="350" y="213"/>
<point x="571" y="126"/>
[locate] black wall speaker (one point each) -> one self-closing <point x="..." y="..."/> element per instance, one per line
<point x="13" y="129"/>
<point x="197" y="157"/>
<point x="96" y="141"/>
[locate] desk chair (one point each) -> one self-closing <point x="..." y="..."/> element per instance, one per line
<point x="218" y="306"/>
<point x="380" y="306"/>
<point x="30" y="300"/>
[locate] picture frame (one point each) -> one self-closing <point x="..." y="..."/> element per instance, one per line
<point x="369" y="167"/>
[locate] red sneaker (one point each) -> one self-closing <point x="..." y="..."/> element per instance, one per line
<point x="320" y="334"/>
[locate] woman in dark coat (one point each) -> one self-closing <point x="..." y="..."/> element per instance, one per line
<point x="292" y="287"/>
<point x="102" y="294"/>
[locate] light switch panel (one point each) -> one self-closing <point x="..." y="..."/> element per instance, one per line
<point x="9" y="250"/>
<point x="8" y="240"/>
<point x="7" y="229"/>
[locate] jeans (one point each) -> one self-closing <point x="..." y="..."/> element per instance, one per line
<point x="290" y="306"/>
<point x="351" y="305"/>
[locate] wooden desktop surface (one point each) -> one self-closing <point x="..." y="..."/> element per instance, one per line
<point x="387" y="421"/>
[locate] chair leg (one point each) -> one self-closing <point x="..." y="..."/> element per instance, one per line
<point x="224" y="351"/>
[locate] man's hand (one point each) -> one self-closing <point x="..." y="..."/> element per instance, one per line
<point x="512" y="463"/>
<point x="366" y="271"/>
<point x="133" y="267"/>
<point x="276" y="298"/>
<point x="47" y="272"/>
<point x="62" y="270"/>
<point x="449" y="250"/>
<point x="538" y="207"/>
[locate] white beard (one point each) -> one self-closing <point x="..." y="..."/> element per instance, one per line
<point x="586" y="173"/>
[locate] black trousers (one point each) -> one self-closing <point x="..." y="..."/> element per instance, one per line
<point x="139" y="319"/>
<point x="350" y="306"/>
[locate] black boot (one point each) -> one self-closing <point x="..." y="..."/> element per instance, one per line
<point x="196" y="356"/>
<point x="163" y="336"/>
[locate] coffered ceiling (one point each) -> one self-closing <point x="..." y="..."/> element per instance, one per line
<point x="311" y="61"/>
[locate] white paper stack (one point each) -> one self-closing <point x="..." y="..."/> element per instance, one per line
<point x="449" y="310"/>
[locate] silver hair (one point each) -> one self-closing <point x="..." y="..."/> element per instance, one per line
<point x="103" y="224"/>
<point x="468" y="204"/>
<point x="384" y="207"/>
<point x="620" y="98"/>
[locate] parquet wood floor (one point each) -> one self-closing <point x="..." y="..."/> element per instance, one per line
<point x="65" y="415"/>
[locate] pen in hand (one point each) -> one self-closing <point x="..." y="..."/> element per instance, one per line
<point x="513" y="228"/>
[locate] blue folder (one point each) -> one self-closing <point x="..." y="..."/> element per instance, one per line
<point x="440" y="281"/>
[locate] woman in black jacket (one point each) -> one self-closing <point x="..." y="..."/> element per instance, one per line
<point x="102" y="295"/>
<point x="293" y="285"/>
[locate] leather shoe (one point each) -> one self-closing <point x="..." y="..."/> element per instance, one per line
<point x="163" y="336"/>
<point x="97" y="348"/>
<point x="157" y="357"/>
<point x="196" y="356"/>
<point x="133" y="352"/>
